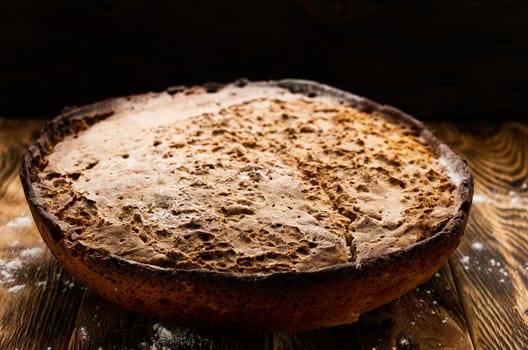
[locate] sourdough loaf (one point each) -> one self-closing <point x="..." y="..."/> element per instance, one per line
<point x="255" y="179"/>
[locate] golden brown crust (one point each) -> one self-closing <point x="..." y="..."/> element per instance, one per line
<point x="253" y="299"/>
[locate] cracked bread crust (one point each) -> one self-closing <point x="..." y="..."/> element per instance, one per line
<point x="266" y="181"/>
<point x="278" y="300"/>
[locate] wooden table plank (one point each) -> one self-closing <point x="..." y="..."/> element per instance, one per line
<point x="491" y="264"/>
<point x="427" y="318"/>
<point x="38" y="305"/>
<point x="480" y="296"/>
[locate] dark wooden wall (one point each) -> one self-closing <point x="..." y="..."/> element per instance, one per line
<point x="439" y="60"/>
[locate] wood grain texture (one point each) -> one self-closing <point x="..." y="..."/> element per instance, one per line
<point x="38" y="305"/>
<point x="479" y="300"/>
<point x="491" y="264"/>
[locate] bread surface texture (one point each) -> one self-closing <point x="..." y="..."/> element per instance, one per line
<point x="253" y="179"/>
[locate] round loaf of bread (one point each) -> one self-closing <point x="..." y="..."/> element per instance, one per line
<point x="280" y="205"/>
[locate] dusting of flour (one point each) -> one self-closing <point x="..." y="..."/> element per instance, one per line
<point x="21" y="251"/>
<point x="165" y="337"/>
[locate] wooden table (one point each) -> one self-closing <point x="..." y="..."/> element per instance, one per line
<point x="479" y="300"/>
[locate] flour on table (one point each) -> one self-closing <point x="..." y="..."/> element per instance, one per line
<point x="465" y="259"/>
<point x="479" y="198"/>
<point x="16" y="289"/>
<point x="174" y="337"/>
<point x="19" y="222"/>
<point x="477" y="246"/>
<point x="12" y="266"/>
<point x="83" y="333"/>
<point x="515" y="198"/>
<point x="35" y="252"/>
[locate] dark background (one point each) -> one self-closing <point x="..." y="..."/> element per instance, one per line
<point x="442" y="60"/>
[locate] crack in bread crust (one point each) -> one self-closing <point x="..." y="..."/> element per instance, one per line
<point x="274" y="183"/>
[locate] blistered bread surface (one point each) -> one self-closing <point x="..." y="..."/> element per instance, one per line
<point x="251" y="180"/>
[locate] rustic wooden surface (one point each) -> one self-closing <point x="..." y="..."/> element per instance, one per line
<point x="479" y="300"/>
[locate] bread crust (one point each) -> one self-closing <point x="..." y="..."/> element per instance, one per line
<point x="276" y="301"/>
